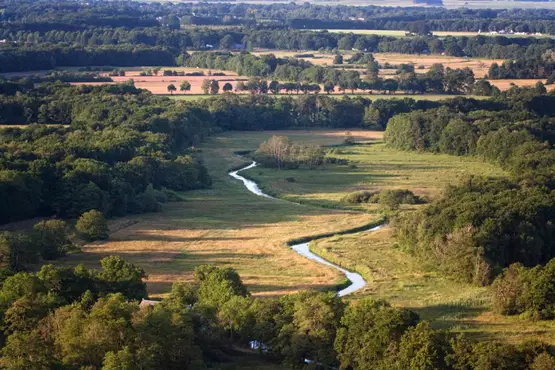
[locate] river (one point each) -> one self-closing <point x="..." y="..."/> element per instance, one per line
<point x="357" y="282"/>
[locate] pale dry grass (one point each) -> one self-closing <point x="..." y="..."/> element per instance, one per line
<point x="159" y="84"/>
<point x="507" y="84"/>
<point x="479" y="66"/>
<point x="228" y="226"/>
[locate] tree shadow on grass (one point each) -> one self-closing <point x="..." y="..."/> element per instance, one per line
<point x="444" y="316"/>
<point x="145" y="235"/>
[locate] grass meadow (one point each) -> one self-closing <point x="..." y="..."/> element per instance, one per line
<point x="373" y="167"/>
<point x="391" y="273"/>
<point x="228" y="226"/>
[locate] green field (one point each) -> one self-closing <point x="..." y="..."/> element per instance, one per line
<point x="227" y="226"/>
<point x="373" y="167"/>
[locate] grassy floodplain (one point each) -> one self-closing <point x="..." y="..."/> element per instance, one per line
<point x="373" y="167"/>
<point x="391" y="273"/>
<point x="228" y="226"/>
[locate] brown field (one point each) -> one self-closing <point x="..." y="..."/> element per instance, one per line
<point x="228" y="226"/>
<point x="478" y="65"/>
<point x="159" y="84"/>
<point x="506" y="84"/>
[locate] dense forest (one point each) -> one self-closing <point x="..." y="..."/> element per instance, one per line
<point x="95" y="156"/>
<point x="80" y="152"/>
<point x="80" y="318"/>
<point x="39" y="35"/>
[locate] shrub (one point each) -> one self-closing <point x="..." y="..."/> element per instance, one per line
<point x="52" y="238"/>
<point x="335" y="160"/>
<point x="281" y="153"/>
<point x="390" y="198"/>
<point x="394" y="198"/>
<point x="358" y="197"/>
<point x="171" y="196"/>
<point x="530" y="291"/>
<point x="92" y="226"/>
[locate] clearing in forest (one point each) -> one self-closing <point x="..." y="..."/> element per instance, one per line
<point x="229" y="226"/>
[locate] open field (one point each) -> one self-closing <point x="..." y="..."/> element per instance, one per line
<point x="159" y="84"/>
<point x="401" y="33"/>
<point x="227" y="226"/>
<point x="507" y="84"/>
<point x="377" y="168"/>
<point x="479" y="66"/>
<point x="432" y="97"/>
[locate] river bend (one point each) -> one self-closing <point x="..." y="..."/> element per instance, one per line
<point x="357" y="282"/>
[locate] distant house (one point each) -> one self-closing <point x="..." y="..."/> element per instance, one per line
<point x="148" y="302"/>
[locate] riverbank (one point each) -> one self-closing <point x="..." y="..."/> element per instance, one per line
<point x="301" y="246"/>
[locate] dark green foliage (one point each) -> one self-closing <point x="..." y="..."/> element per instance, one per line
<point x="358" y="197"/>
<point x="17" y="251"/>
<point x="526" y="290"/>
<point x="368" y="328"/>
<point x="218" y="285"/>
<point x="389" y="198"/>
<point x="53" y="238"/>
<point x="104" y="160"/>
<point x="480" y="227"/>
<point x="63" y="317"/>
<point x="123" y="277"/>
<point x="422" y="348"/>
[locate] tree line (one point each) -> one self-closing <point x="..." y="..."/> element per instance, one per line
<point x="437" y="80"/>
<point x="67" y="15"/>
<point x="122" y="150"/>
<point x="521" y="68"/>
<point x="160" y="46"/>
<point x="66" y="318"/>
<point x="478" y="228"/>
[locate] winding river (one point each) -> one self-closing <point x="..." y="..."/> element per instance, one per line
<point x="357" y="282"/>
